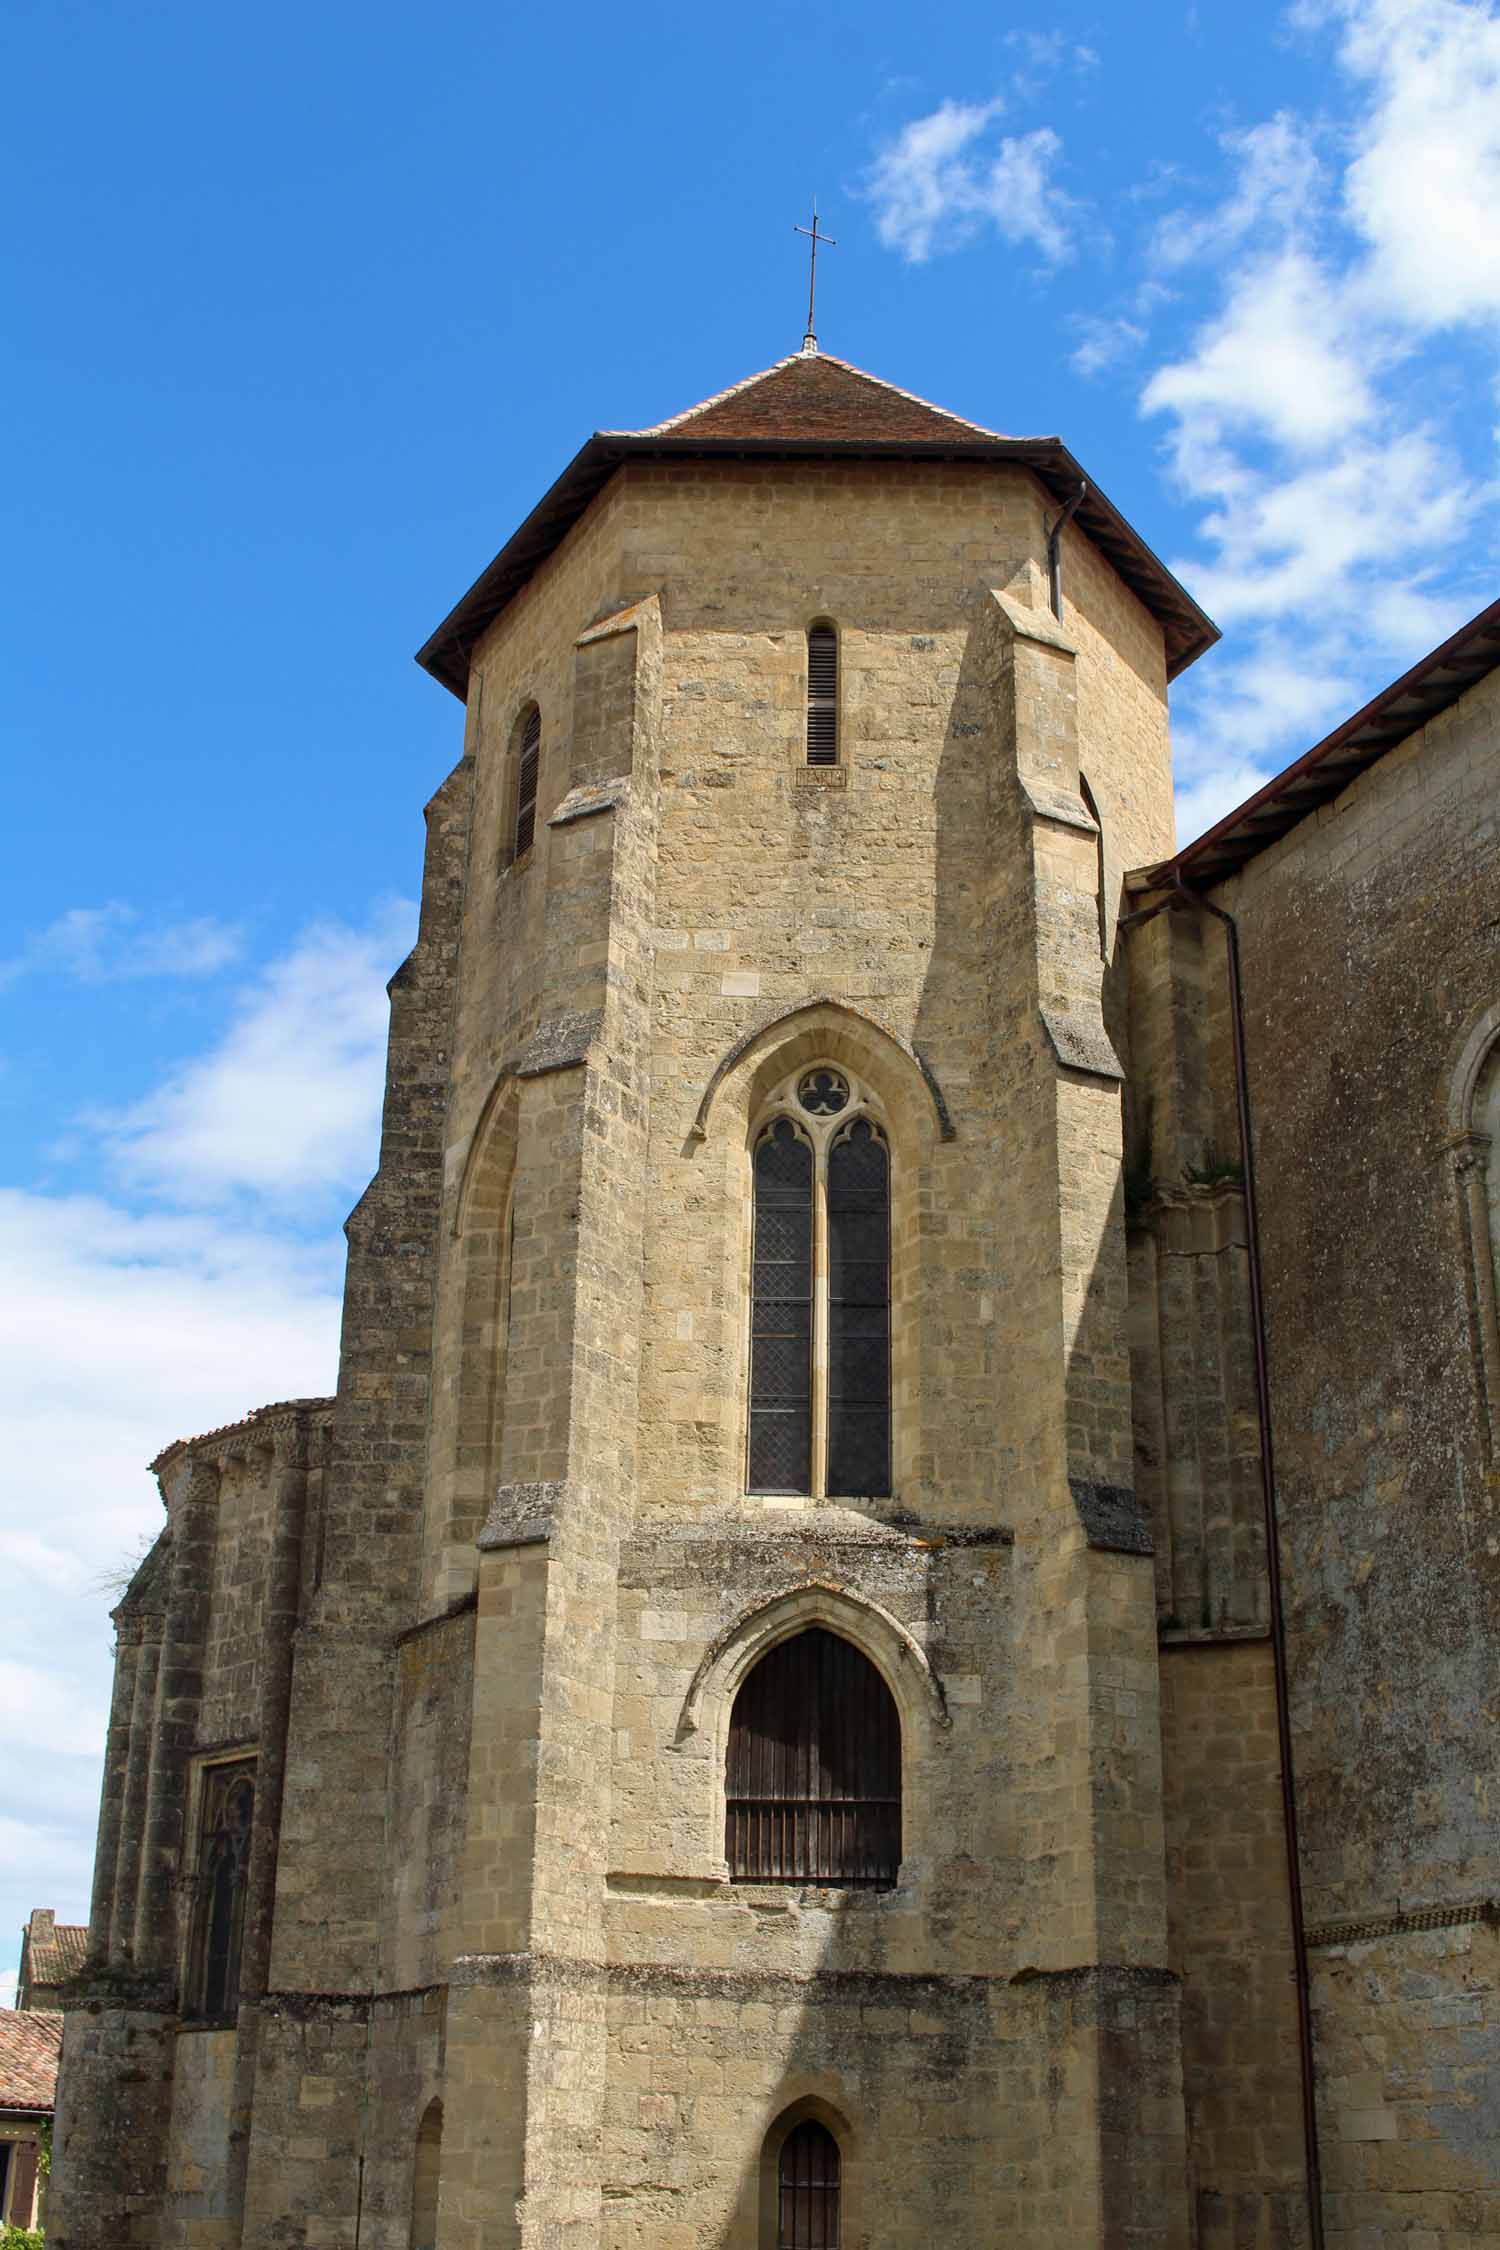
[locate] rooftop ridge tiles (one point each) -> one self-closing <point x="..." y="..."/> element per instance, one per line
<point x="257" y="1414"/>
<point x="731" y="390"/>
<point x="674" y="424"/>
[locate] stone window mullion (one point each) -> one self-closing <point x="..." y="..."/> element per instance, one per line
<point x="820" y="1321"/>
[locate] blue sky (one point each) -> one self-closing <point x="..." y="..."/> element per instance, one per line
<point x="306" y="309"/>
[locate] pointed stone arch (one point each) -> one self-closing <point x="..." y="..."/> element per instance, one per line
<point x="821" y="1026"/>
<point x="917" y="1128"/>
<point x="816" y="2111"/>
<point x="735" y="1651"/>
<point x="490" y="1156"/>
<point x="468" y="1404"/>
<point x="1473" y="1121"/>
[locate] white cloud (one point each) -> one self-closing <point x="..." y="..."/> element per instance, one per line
<point x="1201" y="803"/>
<point x="120" y="1332"/>
<point x="1275" y="362"/>
<point x="1103" y="343"/>
<point x="123" y="1328"/>
<point x="1315" y="539"/>
<point x="1279" y="188"/>
<point x="1423" y="184"/>
<point x="115" y="943"/>
<point x="948" y="176"/>
<point x="1337" y="499"/>
<point x="282" y="1107"/>
<point x="1042" y="53"/>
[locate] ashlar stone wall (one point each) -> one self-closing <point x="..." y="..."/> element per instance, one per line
<point x="1370" y="969"/>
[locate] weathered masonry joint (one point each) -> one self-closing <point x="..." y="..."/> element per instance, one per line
<point x="758" y="1715"/>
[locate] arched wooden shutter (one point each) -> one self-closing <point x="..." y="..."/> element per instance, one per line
<point x="808" y="2189"/>
<point x="813" y="1783"/>
<point x="859" y="1314"/>
<point x="781" y="1313"/>
<point x="526" y="780"/>
<point x="822" y="696"/>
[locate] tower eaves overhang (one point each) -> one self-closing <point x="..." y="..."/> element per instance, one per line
<point x="447" y="653"/>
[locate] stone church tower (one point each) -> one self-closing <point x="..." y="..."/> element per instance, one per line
<point x="753" y="1717"/>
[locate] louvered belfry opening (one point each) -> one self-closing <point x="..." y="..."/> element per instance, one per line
<point x="822" y="696"/>
<point x="859" y="1313"/>
<point x="813" y="1786"/>
<point x="781" y="1313"/>
<point x="526" y="781"/>
<point x="808" y="2189"/>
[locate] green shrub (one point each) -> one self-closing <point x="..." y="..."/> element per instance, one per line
<point x="21" y="2238"/>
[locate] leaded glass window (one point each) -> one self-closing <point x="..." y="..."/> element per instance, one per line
<point x="226" y="1822"/>
<point x="820" y="1306"/>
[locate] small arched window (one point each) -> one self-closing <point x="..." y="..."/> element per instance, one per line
<point x="820" y="1315"/>
<point x="822" y="695"/>
<point x="425" y="2176"/>
<point x="813" y="1780"/>
<point x="528" y="767"/>
<point x="807" y="2189"/>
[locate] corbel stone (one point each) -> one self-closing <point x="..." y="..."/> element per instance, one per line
<point x="559" y="1044"/>
<point x="1080" y="1044"/>
<point x="588" y="798"/>
<point x="1059" y="805"/>
<point x="1112" y="1517"/>
<point x="521" y="1515"/>
<point x="1029" y="624"/>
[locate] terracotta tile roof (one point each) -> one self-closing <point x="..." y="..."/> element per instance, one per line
<point x="812" y="396"/>
<point x="50" y="1962"/>
<point x="813" y="406"/>
<point x="30" y="2043"/>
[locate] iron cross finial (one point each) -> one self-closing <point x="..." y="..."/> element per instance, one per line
<point x="810" y="341"/>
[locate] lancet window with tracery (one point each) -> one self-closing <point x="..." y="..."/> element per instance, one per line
<point x="820" y="1311"/>
<point x="226" y="1824"/>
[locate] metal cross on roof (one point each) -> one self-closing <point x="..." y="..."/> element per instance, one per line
<point x="810" y="341"/>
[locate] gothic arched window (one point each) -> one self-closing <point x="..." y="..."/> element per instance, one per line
<point x="822" y="695"/>
<point x="226" y="1821"/>
<point x="528" y="769"/>
<point x="807" y="2189"/>
<point x="813" y="1777"/>
<point x="820" y="1313"/>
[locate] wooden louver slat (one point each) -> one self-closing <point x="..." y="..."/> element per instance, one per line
<point x="822" y="696"/>
<point x="526" y="781"/>
<point x="813" y="1782"/>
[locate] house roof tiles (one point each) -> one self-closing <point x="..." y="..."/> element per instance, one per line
<point x="30" y="2043"/>
<point x="61" y="1955"/>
